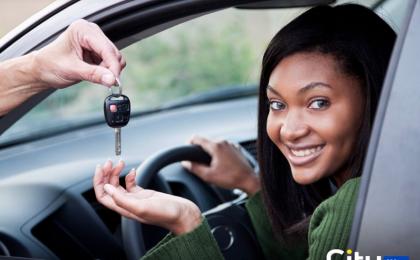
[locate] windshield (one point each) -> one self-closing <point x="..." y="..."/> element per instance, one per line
<point x="220" y="51"/>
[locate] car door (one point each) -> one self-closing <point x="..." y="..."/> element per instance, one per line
<point x="387" y="218"/>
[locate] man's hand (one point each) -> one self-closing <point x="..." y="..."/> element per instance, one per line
<point x="82" y="52"/>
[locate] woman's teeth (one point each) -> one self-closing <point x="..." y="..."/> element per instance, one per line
<point x="305" y="152"/>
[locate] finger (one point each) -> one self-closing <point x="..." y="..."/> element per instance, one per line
<point x="106" y="169"/>
<point x="97" y="42"/>
<point x="109" y="202"/>
<point x="200" y="170"/>
<point x="126" y="202"/>
<point x="186" y="165"/>
<point x="107" y="165"/>
<point x="206" y="144"/>
<point x="98" y="182"/>
<point x="123" y="63"/>
<point x="130" y="181"/>
<point x="115" y="174"/>
<point x="94" y="73"/>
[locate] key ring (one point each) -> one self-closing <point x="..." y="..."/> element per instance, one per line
<point x="117" y="88"/>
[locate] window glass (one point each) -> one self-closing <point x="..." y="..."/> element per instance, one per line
<point x="393" y="12"/>
<point x="216" y="51"/>
<point x="219" y="50"/>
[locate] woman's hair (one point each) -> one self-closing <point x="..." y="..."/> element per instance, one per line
<point x="361" y="43"/>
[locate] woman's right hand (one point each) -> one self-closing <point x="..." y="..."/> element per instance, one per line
<point x="174" y="213"/>
<point x="228" y="169"/>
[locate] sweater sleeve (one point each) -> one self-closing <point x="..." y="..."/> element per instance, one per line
<point x="197" y="244"/>
<point x="271" y="247"/>
<point x="331" y="222"/>
<point x="200" y="244"/>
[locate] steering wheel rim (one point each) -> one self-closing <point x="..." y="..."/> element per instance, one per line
<point x="131" y="230"/>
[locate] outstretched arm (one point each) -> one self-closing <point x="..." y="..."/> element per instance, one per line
<point x="82" y="52"/>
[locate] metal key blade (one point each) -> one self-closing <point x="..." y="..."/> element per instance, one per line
<point x="117" y="141"/>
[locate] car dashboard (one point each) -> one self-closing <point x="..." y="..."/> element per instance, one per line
<point x="48" y="206"/>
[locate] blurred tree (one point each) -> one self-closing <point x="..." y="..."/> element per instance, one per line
<point x="188" y="60"/>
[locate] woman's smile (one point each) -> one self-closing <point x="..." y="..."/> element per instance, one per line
<point x="299" y="156"/>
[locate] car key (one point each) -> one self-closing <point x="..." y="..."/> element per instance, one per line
<point x="117" y="113"/>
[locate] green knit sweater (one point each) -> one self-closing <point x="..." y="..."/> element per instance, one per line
<point x="329" y="228"/>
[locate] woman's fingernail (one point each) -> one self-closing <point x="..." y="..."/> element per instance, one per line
<point x="186" y="164"/>
<point x="108" y="79"/>
<point x="109" y="189"/>
<point x="132" y="171"/>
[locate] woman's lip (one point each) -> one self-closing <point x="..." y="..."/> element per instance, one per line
<point x="302" y="160"/>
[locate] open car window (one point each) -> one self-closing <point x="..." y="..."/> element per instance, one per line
<point x="219" y="51"/>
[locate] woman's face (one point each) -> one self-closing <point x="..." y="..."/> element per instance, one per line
<point x="315" y="114"/>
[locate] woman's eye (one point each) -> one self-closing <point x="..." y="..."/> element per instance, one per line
<point x="277" y="105"/>
<point x="319" y="104"/>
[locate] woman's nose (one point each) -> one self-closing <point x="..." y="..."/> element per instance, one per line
<point x="293" y="127"/>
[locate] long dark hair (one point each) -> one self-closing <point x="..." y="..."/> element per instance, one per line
<point x="362" y="43"/>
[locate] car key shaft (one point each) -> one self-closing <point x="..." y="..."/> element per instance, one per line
<point x="117" y="113"/>
<point x="117" y="141"/>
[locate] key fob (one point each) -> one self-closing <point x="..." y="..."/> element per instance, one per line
<point x="117" y="110"/>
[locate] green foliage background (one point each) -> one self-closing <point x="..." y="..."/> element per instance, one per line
<point x="188" y="61"/>
<point x="189" y="58"/>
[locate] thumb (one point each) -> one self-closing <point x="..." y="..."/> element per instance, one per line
<point x="96" y="74"/>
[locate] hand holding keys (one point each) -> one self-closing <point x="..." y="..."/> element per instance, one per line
<point x="117" y="113"/>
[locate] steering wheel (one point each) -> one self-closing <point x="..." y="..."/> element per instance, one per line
<point x="229" y="222"/>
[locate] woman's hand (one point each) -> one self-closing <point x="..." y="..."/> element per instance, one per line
<point x="174" y="213"/>
<point x="228" y="168"/>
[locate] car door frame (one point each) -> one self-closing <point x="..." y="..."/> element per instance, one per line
<point x="388" y="207"/>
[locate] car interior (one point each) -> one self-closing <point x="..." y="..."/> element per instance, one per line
<point x="192" y="68"/>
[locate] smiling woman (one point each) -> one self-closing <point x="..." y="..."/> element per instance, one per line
<point x="315" y="114"/>
<point x="320" y="83"/>
<point x="318" y="133"/>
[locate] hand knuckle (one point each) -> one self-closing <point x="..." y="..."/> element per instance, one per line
<point x="91" y="76"/>
<point x="94" y="25"/>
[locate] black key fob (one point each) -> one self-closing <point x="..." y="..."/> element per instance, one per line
<point x="117" y="110"/>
